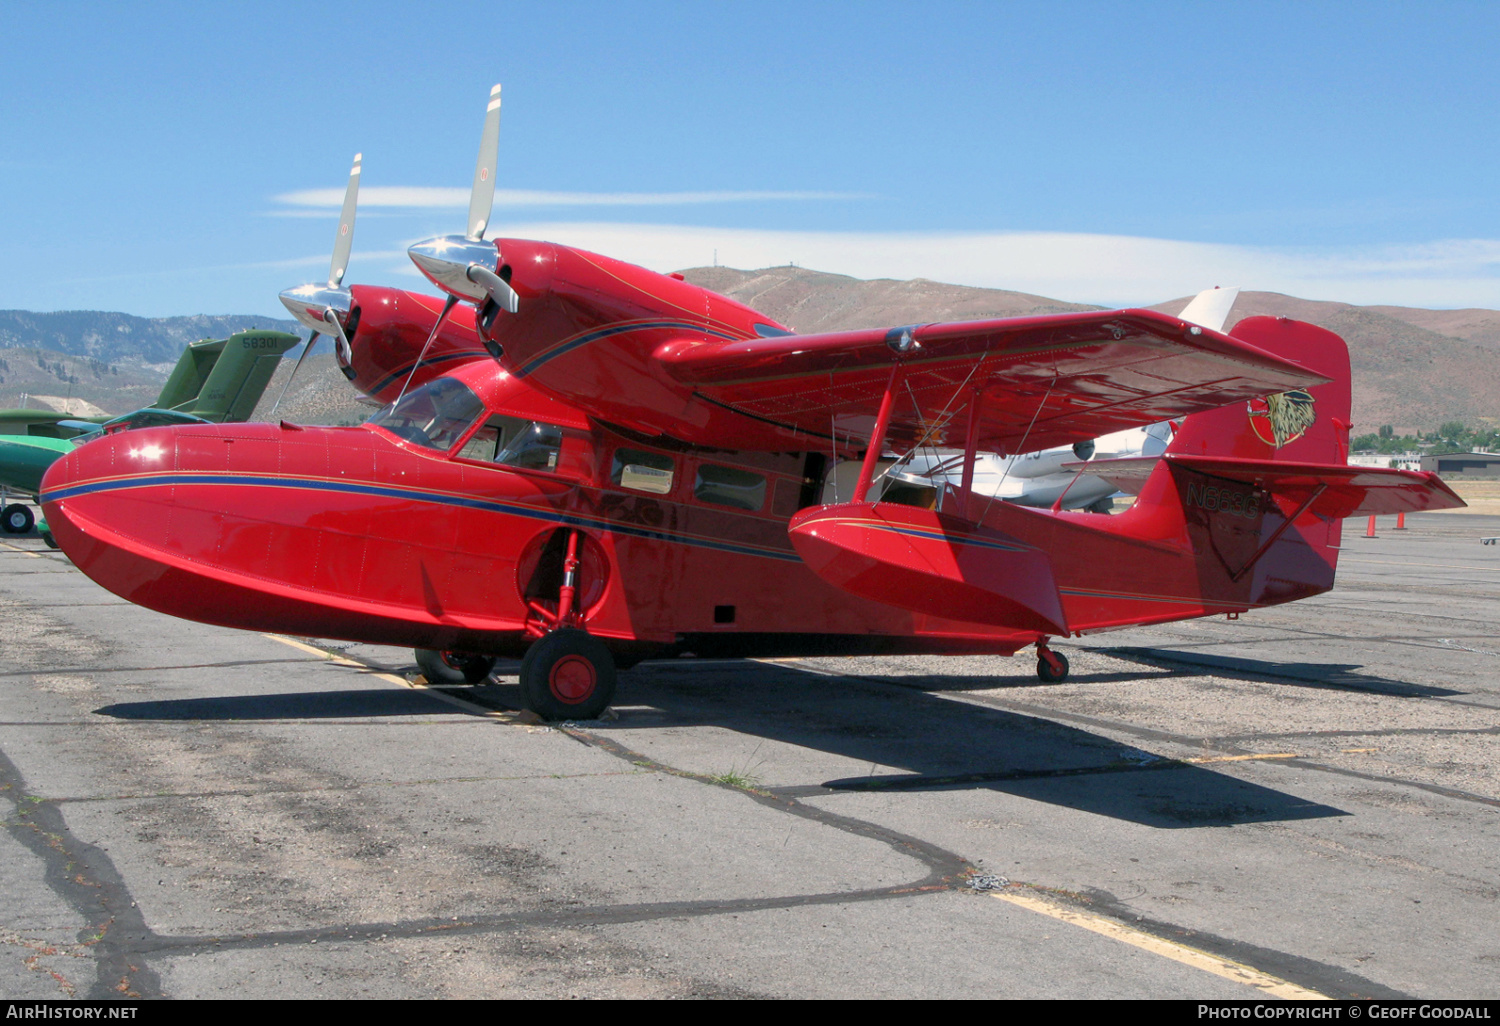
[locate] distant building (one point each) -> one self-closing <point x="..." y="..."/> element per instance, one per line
<point x="1400" y="460"/>
<point x="1480" y="466"/>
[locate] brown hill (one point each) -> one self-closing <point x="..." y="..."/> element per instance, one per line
<point x="1413" y="369"/>
<point x="1405" y="374"/>
<point x="809" y="301"/>
<point x="320" y="395"/>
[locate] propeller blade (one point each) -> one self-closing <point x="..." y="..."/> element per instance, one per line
<point x="437" y="325"/>
<point x="482" y="198"/>
<point x="344" y="240"/>
<point x="295" y="368"/>
<point x="497" y="288"/>
<point x="342" y="350"/>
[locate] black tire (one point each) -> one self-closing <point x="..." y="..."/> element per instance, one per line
<point x="51" y="541"/>
<point x="1047" y="674"/>
<point x="17" y="519"/>
<point x="568" y="675"/>
<point x="454" y="668"/>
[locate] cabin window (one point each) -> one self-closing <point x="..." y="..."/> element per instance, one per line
<point x="492" y="438"/>
<point x="534" y="447"/>
<point x="642" y="471"/>
<point x="727" y="486"/>
<point x="435" y="416"/>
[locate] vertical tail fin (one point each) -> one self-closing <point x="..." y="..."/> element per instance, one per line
<point x="187" y="378"/>
<point x="1258" y="539"/>
<point x="222" y="379"/>
<point x="240" y="375"/>
<point x="1304" y="425"/>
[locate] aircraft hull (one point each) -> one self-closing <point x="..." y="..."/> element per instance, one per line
<point x="350" y="533"/>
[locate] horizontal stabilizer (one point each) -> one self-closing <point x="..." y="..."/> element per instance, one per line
<point x="1343" y="491"/>
<point x="1128" y="473"/>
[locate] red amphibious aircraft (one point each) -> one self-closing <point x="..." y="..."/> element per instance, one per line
<point x="595" y="463"/>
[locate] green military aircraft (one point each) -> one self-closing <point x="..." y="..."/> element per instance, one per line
<point x="217" y="380"/>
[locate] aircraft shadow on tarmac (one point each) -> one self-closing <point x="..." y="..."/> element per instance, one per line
<point x="943" y="745"/>
<point x="309" y="705"/>
<point x="1338" y="676"/>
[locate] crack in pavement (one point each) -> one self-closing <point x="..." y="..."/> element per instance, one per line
<point x="85" y="878"/>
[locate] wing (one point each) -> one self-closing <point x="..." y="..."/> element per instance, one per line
<point x="1036" y="382"/>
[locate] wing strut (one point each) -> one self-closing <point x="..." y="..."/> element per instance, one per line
<point x="877" y="437"/>
<point x="971" y="443"/>
<point x="1266" y="545"/>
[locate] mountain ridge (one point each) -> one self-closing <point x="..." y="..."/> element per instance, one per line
<point x="1413" y="368"/>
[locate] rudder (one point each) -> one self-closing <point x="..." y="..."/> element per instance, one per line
<point x="1304" y="425"/>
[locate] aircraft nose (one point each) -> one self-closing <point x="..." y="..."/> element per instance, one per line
<point x="168" y="518"/>
<point x="104" y="501"/>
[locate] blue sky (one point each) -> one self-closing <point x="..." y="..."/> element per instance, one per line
<point x="173" y="159"/>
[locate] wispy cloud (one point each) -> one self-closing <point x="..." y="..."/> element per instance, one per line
<point x="424" y="196"/>
<point x="290" y="263"/>
<point x="1105" y="269"/>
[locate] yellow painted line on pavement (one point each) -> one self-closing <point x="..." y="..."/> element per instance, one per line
<point x="1241" y="758"/>
<point x="332" y="657"/>
<point x="24" y="552"/>
<point x="1267" y="984"/>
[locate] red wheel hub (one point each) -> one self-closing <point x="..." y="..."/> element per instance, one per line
<point x="572" y="679"/>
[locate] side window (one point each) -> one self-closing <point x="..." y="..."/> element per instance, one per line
<point x="490" y="440"/>
<point x="642" y="471"/>
<point x="727" y="486"/>
<point x="436" y="415"/>
<point x="534" y="447"/>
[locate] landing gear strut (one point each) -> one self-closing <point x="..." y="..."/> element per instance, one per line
<point x="1051" y="667"/>
<point x="567" y="673"/>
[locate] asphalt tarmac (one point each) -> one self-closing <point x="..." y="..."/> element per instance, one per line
<point x="1302" y="802"/>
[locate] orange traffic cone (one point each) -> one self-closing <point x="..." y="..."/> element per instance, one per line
<point x="1370" y="531"/>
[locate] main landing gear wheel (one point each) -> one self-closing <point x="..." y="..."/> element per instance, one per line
<point x="567" y="675"/>
<point x="17" y="519"/>
<point x="454" y="668"/>
<point x="1048" y="672"/>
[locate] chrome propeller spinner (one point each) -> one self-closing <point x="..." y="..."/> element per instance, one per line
<point x="464" y="266"/>
<point x="325" y="308"/>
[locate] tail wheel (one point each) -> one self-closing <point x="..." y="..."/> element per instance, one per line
<point x="451" y="668"/>
<point x="568" y="675"/>
<point x="17" y="519"/>
<point x="1051" y="667"/>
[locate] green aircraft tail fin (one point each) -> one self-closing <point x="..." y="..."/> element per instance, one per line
<point x="223" y="379"/>
<point x="241" y="374"/>
<point x="192" y="370"/>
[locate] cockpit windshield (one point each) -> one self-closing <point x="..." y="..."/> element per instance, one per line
<point x="436" y="415"/>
